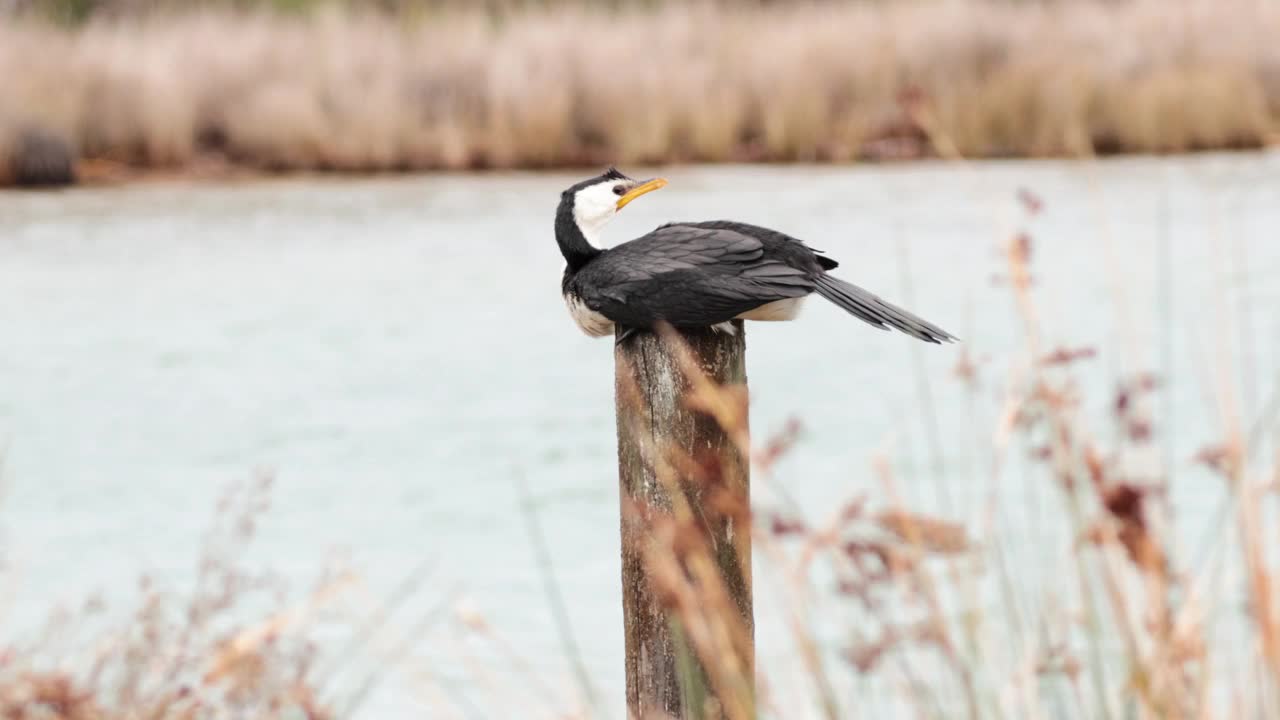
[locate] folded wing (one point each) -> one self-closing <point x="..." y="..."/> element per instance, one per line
<point x="689" y="275"/>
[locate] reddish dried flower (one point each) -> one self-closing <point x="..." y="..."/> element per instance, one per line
<point x="1139" y="431"/>
<point x="1096" y="466"/>
<point x="1021" y="248"/>
<point x="865" y="657"/>
<point x="928" y="533"/>
<point x="1125" y="503"/>
<point x="781" y="527"/>
<point x="1219" y="458"/>
<point x="845" y="586"/>
<point x="1122" y="401"/>
<point x="1065" y="356"/>
<point x="1146" y="382"/>
<point x="779" y="444"/>
<point x="852" y="510"/>
<point x="1064" y="436"/>
<point x="965" y="368"/>
<point x="1030" y="201"/>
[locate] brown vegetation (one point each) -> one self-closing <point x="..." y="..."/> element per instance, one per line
<point x="362" y="91"/>
<point x="177" y="656"/>
<point x="1127" y="628"/>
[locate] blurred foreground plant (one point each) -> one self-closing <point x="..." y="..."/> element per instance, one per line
<point x="937" y="611"/>
<point x="177" y="656"/>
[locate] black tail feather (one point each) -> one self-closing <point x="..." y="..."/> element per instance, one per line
<point x="871" y="309"/>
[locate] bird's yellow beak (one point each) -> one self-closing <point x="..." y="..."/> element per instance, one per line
<point x="644" y="187"/>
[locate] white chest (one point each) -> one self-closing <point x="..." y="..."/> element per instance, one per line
<point x="776" y="310"/>
<point x="591" y="322"/>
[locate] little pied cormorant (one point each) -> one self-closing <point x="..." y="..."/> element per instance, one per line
<point x="696" y="274"/>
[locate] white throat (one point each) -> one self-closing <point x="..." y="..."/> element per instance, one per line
<point x="592" y="229"/>
<point x="593" y="208"/>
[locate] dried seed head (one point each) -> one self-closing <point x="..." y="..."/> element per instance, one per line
<point x="928" y="533"/>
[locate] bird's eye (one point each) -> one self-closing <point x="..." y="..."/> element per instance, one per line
<point x="619" y="190"/>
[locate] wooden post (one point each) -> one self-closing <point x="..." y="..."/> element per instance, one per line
<point x="683" y="471"/>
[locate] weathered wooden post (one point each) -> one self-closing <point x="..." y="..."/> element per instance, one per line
<point x="686" y="540"/>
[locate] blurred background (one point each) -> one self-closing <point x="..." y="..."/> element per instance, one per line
<point x="100" y="89"/>
<point x="293" y="422"/>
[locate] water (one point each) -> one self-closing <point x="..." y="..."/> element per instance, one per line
<point x="395" y="351"/>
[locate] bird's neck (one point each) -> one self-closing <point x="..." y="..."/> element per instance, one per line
<point x="574" y="246"/>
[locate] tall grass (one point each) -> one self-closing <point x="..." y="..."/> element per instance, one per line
<point x="177" y="655"/>
<point x="700" y="82"/>
<point x="935" y="610"/>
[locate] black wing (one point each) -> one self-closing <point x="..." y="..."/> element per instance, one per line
<point x="858" y="302"/>
<point x="778" y="243"/>
<point x="695" y="275"/>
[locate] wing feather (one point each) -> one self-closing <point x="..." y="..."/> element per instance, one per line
<point x="691" y="275"/>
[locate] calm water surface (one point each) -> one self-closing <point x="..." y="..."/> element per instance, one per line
<point x="396" y="352"/>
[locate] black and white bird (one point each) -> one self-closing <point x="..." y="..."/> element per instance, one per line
<point x="696" y="274"/>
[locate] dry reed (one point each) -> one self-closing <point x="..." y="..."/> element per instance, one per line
<point x="177" y="656"/>
<point x="1127" y="630"/>
<point x="359" y="91"/>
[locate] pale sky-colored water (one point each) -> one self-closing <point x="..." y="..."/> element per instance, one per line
<point x="395" y="351"/>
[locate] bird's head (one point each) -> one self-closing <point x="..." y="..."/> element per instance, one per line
<point x="592" y="203"/>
